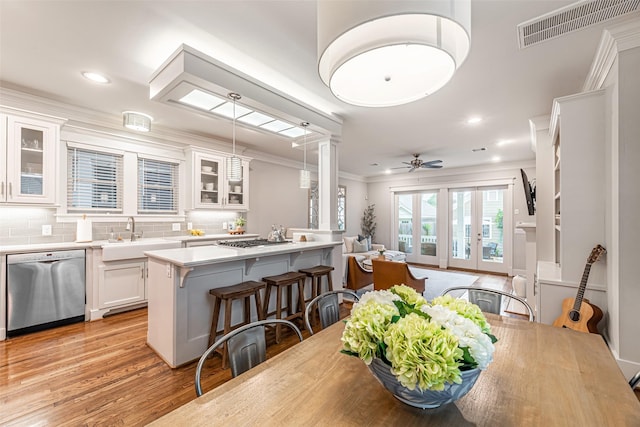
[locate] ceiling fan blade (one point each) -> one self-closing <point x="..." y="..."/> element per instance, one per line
<point x="401" y="167"/>
<point x="407" y="163"/>
<point x="430" y="164"/>
<point x="433" y="167"/>
<point x="412" y="169"/>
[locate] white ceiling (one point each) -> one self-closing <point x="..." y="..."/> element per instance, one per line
<point x="44" y="45"/>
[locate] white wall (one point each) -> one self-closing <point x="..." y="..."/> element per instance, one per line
<point x="629" y="203"/>
<point x="275" y="198"/>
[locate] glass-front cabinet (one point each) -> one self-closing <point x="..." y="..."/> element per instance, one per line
<point x="28" y="150"/>
<point x="212" y="189"/>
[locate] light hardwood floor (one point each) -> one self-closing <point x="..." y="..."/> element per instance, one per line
<point x="103" y="373"/>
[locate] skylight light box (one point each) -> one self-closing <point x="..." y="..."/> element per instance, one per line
<point x="188" y="70"/>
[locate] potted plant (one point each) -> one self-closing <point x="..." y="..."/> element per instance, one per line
<point x="426" y="354"/>
<point x="368" y="223"/>
<point x="240" y="223"/>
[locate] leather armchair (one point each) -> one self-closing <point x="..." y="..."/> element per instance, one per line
<point x="357" y="277"/>
<point x="389" y="273"/>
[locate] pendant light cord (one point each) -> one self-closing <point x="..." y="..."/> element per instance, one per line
<point x="304" y="148"/>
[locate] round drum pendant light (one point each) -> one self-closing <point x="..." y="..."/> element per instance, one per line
<point x="386" y="53"/>
<point x="305" y="175"/>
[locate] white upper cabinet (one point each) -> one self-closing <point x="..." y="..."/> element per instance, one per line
<point x="28" y="158"/>
<point x="211" y="188"/>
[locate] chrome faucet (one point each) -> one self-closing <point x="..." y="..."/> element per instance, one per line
<point x="131" y="226"/>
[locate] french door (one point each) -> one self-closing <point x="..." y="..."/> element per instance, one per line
<point x="477" y="233"/>
<point x="417" y="227"/>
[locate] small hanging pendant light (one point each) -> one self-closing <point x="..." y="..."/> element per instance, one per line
<point x="305" y="175"/>
<point x="234" y="163"/>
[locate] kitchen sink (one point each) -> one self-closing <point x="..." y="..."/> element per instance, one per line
<point x="127" y="249"/>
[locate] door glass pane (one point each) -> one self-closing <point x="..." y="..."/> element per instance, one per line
<point x="405" y="218"/>
<point x="461" y="224"/>
<point x="492" y="232"/>
<point x="428" y="237"/>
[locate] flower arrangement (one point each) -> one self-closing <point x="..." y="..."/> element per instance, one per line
<point x="426" y="345"/>
<point x="240" y="222"/>
<point x="381" y="251"/>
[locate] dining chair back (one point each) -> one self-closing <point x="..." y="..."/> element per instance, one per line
<point x="328" y="308"/>
<point x="389" y="273"/>
<point x="490" y="300"/>
<point x="246" y="346"/>
<point x="633" y="382"/>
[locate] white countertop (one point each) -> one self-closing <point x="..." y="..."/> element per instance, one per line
<point x="203" y="255"/>
<point x="43" y="247"/>
<point x="222" y="236"/>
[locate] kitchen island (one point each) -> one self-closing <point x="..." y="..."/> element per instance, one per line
<point x="180" y="307"/>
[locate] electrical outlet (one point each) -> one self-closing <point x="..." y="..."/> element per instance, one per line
<point x="169" y="271"/>
<point x="46" y="230"/>
<point x="516" y="211"/>
<point x="224" y="225"/>
<point x="189" y="226"/>
<point x="175" y="226"/>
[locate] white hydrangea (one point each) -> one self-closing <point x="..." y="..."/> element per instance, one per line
<point x="469" y="334"/>
<point x="379" y="297"/>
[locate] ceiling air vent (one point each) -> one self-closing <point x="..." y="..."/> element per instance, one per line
<point x="570" y="18"/>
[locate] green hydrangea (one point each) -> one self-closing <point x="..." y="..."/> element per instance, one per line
<point x="409" y="295"/>
<point x="366" y="328"/>
<point x="465" y="309"/>
<point x="422" y="354"/>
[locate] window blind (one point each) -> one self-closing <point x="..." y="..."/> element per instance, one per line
<point x="157" y="186"/>
<point x="94" y="181"/>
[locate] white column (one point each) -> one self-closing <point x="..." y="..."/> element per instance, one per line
<point x="328" y="184"/>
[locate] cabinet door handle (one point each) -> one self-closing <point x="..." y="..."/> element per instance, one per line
<point x="10" y="190"/>
<point x="142" y="273"/>
<point x="2" y="189"/>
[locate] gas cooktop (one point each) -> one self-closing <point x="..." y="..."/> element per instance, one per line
<point x="248" y="243"/>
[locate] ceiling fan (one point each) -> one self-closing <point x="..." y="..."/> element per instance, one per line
<point x="417" y="163"/>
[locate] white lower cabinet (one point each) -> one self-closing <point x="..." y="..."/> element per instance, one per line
<point x="121" y="284"/>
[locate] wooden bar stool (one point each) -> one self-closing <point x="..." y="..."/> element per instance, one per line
<point x="242" y="291"/>
<point x="316" y="273"/>
<point x="286" y="280"/>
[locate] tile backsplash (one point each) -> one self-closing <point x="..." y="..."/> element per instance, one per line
<point x="21" y="226"/>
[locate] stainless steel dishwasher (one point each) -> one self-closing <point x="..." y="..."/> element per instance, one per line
<point x="44" y="290"/>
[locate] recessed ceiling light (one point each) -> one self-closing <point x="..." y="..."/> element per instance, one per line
<point x="474" y="120"/>
<point x="387" y="171"/>
<point x="476" y="150"/>
<point x="502" y="142"/>
<point x="95" y="77"/>
<point x="495" y="159"/>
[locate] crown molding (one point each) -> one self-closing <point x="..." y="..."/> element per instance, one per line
<point x="616" y="39"/>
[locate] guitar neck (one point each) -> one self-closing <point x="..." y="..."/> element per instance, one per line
<point x="583" y="285"/>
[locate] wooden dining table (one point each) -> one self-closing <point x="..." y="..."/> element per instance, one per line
<point x="540" y="376"/>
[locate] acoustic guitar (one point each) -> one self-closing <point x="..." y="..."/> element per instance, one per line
<point x="577" y="313"/>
